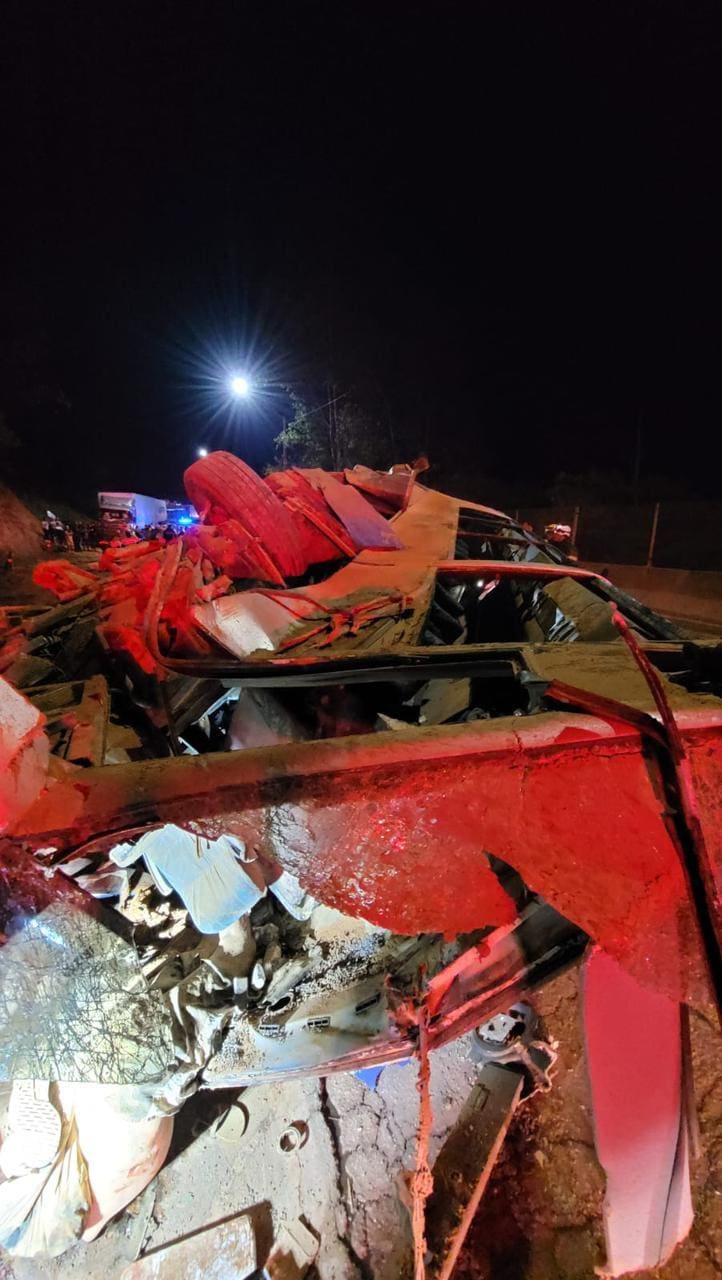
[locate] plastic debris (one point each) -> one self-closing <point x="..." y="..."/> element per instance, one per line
<point x="41" y="1212"/>
<point x="32" y="1130"/>
<point x="122" y="1155"/>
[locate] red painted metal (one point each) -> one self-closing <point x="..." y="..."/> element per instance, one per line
<point x="362" y="521"/>
<point x="701" y="874"/>
<point x="324" y="537"/>
<point x="634" y="1057"/>
<point x="395" y="826"/>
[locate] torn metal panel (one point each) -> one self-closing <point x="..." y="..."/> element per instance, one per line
<point x="305" y="1036"/>
<point x="394" y="826"/>
<point x="333" y="1000"/>
<point x="29" y="670"/>
<point x="20" y="724"/>
<point x="367" y="528"/>
<point x="380" y="595"/>
<point x="391" y="487"/>
<point x="353" y="1015"/>
<point x="442" y="700"/>
<point x="23" y="753"/>
<point x="569" y="599"/>
<point x="538" y="569"/>
<point x="609" y="670"/>
<point x="279" y="620"/>
<point x="634" y="1053"/>
<point x="323" y="536"/>
<point x="42" y="621"/>
<point x="88" y="736"/>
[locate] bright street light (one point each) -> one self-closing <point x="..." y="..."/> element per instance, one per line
<point x="240" y="386"/>
<point x="202" y="452"/>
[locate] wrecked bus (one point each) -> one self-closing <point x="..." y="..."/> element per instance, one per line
<point x="335" y="780"/>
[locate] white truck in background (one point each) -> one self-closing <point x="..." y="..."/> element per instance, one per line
<point x="126" y="509"/>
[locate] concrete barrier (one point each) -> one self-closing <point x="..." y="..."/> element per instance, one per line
<point x="693" y="595"/>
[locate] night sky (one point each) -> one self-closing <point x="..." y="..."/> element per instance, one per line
<point x="500" y="221"/>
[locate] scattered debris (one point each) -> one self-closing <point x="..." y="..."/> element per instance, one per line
<point x="223" y="1250"/>
<point x="294" y="1137"/>
<point x="310" y="790"/>
<point x="293" y="1253"/>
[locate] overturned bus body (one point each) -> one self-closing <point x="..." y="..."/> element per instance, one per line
<point x="342" y="775"/>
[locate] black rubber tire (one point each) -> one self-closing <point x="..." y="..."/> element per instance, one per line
<point x="225" y="481"/>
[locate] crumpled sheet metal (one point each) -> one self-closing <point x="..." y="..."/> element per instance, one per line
<point x="634" y="1057"/>
<point x="400" y="486"/>
<point x="361" y="519"/>
<point x="394" y="827"/>
<point x="253" y="1051"/>
<point x="389" y="589"/>
<point x="74" y="1004"/>
<point x="323" y="537"/>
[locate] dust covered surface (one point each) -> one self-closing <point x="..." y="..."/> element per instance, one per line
<point x="541" y="1217"/>
<point x="343" y="1180"/>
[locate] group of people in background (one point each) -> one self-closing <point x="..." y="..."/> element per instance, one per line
<point x="71" y="536"/>
<point x="87" y="535"/>
<point x="166" y="532"/>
